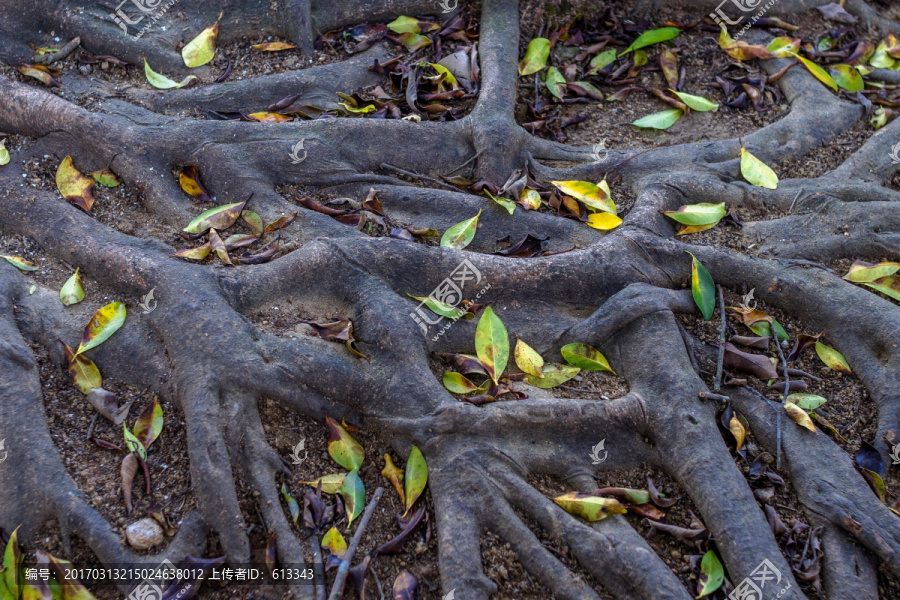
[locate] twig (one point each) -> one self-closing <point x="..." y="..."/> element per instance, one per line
<point x="412" y="175"/>
<point x="713" y="396"/>
<point x="337" y="590"/>
<point x="465" y="163"/>
<point x="787" y="388"/>
<point x="720" y="361"/>
<point x="46" y="59"/>
<point x="91" y="428"/>
<point x="791" y="209"/>
<point x="377" y="582"/>
<point x="318" y="567"/>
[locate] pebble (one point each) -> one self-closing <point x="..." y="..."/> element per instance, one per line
<point x="144" y="534"/>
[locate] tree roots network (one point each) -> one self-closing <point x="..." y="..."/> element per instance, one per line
<point x="733" y="478"/>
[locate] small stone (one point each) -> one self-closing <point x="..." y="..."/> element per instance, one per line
<point x="144" y="534"/>
<point x="291" y="62"/>
<point x="126" y="226"/>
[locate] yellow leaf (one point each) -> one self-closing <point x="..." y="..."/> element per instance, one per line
<point x="393" y="474"/>
<point x="273" y="46"/>
<point x="593" y="196"/>
<point x="588" y="506"/>
<point x="528" y="360"/>
<point x="817" y="71"/>
<point x="345" y="450"/>
<point x="757" y="172"/>
<point x="832" y="358"/>
<point x="334" y="542"/>
<point x="103" y="324"/>
<point x="202" y="48"/>
<point x="161" y="82"/>
<point x="331" y="484"/>
<point x="75" y="187"/>
<point x="737" y="430"/>
<point x="799" y="416"/>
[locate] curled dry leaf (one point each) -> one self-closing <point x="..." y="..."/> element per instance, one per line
<point x="393" y="474"/>
<point x="754" y="364"/>
<point x="128" y="470"/>
<point x="220" y="217"/>
<point x="189" y="180"/>
<point x="405" y="586"/>
<point x="105" y="403"/>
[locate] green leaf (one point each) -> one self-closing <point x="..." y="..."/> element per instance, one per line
<point x="832" y="358"/>
<point x="596" y="197"/>
<point x="528" y="360"/>
<point x="202" y="48"/>
<point x="416" y="477"/>
<point x="103" y="324"/>
<point x="4" y="153"/>
<point x="757" y="172"/>
<point x="150" y="424"/>
<point x="652" y="36"/>
<point x="404" y="24"/>
<point x="440" y="308"/>
<point x="554" y="375"/>
<point x="586" y="358"/>
<point x="72" y="292"/>
<point x="602" y="60"/>
<point x="345" y="450"/>
<point x="806" y="401"/>
<point x="535" y="56"/>
<point x="106" y="178"/>
<point x="12" y="564"/>
<point x="659" y="120"/>
<point x="817" y="71"/>
<point x="133" y="444"/>
<point x="218" y="218"/>
<point x="698" y="103"/>
<point x="889" y="286"/>
<point x="783" y="46"/>
<point x="863" y="272"/>
<point x="354" y="494"/>
<point x="711" y="574"/>
<point x="293" y="507"/>
<point x="703" y="288"/>
<point x="847" y="77"/>
<point x="458" y="383"/>
<point x="506" y="203"/>
<point x="19" y="263"/>
<point x="555" y="82"/>
<point x="161" y="82"/>
<point x="704" y="213"/>
<point x="589" y="506"/>
<point x="492" y="344"/>
<point x="460" y="235"/>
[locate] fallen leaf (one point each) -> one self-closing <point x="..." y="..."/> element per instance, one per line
<point x="75" y="187"/>
<point x="330" y="484"/>
<point x="253" y="221"/>
<point x="345" y="450"/>
<point x="536" y="56"/>
<point x="71" y="291"/>
<point x="337" y="331"/>
<point x="586" y="358"/>
<point x="105" y="403"/>
<point x="202" y="48"/>
<point x="334" y="542"/>
<point x="589" y="506"/>
<point x="698" y="103"/>
<point x="106" y="178"/>
<point x="404" y="24"/>
<point x="102" y="325"/>
<point x="799" y="416"/>
<point x="846" y="77"/>
<point x="460" y="235"/>
<point x="405" y="586"/>
<point x="39" y="72"/>
<point x="409" y="524"/>
<point x="161" y="82"/>
<point x="416" y="477"/>
<point x="133" y="444"/>
<point x="756" y="172"/>
<point x="528" y="360"/>
<point x="703" y="213"/>
<point x="150" y="424"/>
<point x="603" y="221"/>
<point x="817" y="71"/>
<point x="413" y="42"/>
<point x="220" y="217"/>
<point x="19" y="263"/>
<point x="554" y="375"/>
<point x="807" y="402"/>
<point x="593" y="196"/>
<point x="659" y="120"/>
<point x="555" y="82"/>
<point x="652" y="36"/>
<point x="754" y="364"/>
<point x="127" y="471"/>
<point x="189" y="179"/>
<point x="83" y="371"/>
<point x="354" y="494"/>
<point x="702" y="288"/>
<point x="273" y="46"/>
<point x="864" y="272"/>
<point x="889" y="286"/>
<point x="293" y="507"/>
<point x="198" y="253"/>
<point x="712" y="576"/>
<point x="393" y="474"/>
<point x="602" y="60"/>
<point x="833" y="359"/>
<point x="738" y="431"/>
<point x="4" y="153"/>
<point x="458" y="383"/>
<point x="492" y="344"/>
<point x="271" y="117"/>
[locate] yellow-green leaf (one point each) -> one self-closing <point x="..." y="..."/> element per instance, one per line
<point x="704" y="213"/>
<point x="799" y="416"/>
<point x="528" y="360"/>
<point x="150" y="424"/>
<point x="593" y="196"/>
<point x="345" y="450"/>
<point x="460" y="235"/>
<point x="847" y="77"/>
<point x="293" y="507"/>
<point x="12" y="565"/>
<point x="202" y="48"/>
<point x="817" y="71"/>
<point x="554" y="375"/>
<point x="711" y="574"/>
<point x="70" y="588"/>
<point x="889" y="286"/>
<point x="220" y="217"/>
<point x="75" y="187"/>
<point x="458" y="383"/>
<point x="783" y="46"/>
<point x="393" y="474"/>
<point x="589" y="506"/>
<point x="404" y="24"/>
<point x="334" y="542"/>
<point x="133" y="444"/>
<point x="19" y="263"/>
<point x="506" y="203"/>
<point x="757" y="172"/>
<point x="555" y="82"/>
<point x="806" y="401"/>
<point x="698" y="103"/>
<point x="535" y="56"/>
<point x="659" y="120"/>
<point x="354" y="494"/>
<point x="702" y="288"/>
<point x="198" y="253"/>
<point x="4" y="153"/>
<point x="83" y="371"/>
<point x="331" y="484"/>
<point x="603" y="221"/>
<point x="72" y="292"/>
<point x="492" y="344"/>
<point x="586" y="358"/>
<point x="161" y="82"/>
<point x="832" y="358"/>
<point x="415" y="41"/>
<point x="103" y="324"/>
<point x="530" y="199"/>
<point x="449" y="80"/>
<point x="652" y="36"/>
<point x="440" y="308"/>
<point x="273" y="46"/>
<point x="863" y="272"/>
<point x="602" y="60"/>
<point x="106" y="178"/>
<point x="416" y="477"/>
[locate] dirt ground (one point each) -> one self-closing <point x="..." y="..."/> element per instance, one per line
<point x="96" y="471"/>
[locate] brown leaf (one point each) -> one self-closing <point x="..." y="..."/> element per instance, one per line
<point x="755" y="364"/>
<point x="215" y="242"/>
<point x="803" y="342"/>
<point x="281" y="223"/>
<point x="189" y="179"/>
<point x="128" y="470"/>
